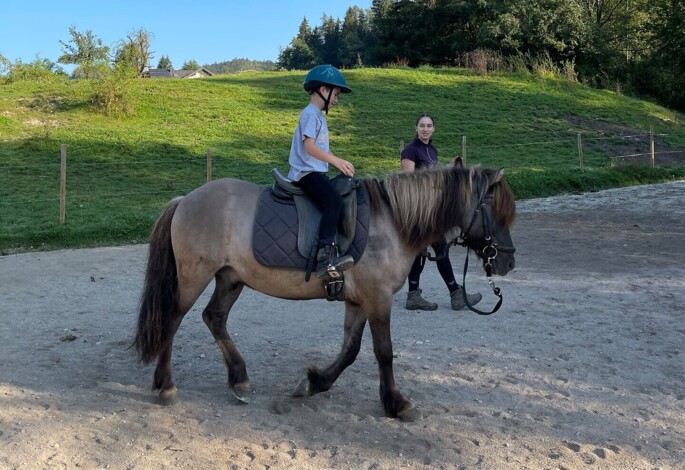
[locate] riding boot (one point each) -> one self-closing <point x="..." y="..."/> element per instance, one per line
<point x="416" y="302"/>
<point x="457" y="298"/>
<point x="329" y="262"/>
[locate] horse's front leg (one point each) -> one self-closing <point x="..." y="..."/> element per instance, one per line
<point x="394" y="404"/>
<point x="322" y="380"/>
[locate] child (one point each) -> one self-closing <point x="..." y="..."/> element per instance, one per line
<point x="309" y="160"/>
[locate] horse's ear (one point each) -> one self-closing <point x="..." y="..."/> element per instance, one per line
<point x="458" y="162"/>
<point x="494" y="176"/>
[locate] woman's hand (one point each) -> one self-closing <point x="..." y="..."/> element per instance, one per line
<point x="407" y="165"/>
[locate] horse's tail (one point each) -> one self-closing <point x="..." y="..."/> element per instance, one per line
<point x="157" y="302"/>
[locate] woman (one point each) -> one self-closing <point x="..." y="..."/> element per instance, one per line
<point x="421" y="153"/>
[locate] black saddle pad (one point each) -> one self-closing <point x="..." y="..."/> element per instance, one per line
<point x="275" y="231"/>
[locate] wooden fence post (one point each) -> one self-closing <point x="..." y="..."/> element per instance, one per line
<point x="651" y="143"/>
<point x="63" y="184"/>
<point x="580" y="150"/>
<point x="209" y="165"/>
<point x="463" y="149"/>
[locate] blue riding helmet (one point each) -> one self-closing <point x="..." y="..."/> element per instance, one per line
<point x="325" y="75"/>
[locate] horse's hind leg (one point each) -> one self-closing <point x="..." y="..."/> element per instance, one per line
<point x="322" y="380"/>
<point x="189" y="289"/>
<point x="215" y="315"/>
<point x="162" y="379"/>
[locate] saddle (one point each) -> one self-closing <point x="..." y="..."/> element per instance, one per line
<point x="286" y="227"/>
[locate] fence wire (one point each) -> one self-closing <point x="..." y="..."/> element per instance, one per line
<point x="99" y="183"/>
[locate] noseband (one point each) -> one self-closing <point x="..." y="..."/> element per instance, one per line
<point x="487" y="247"/>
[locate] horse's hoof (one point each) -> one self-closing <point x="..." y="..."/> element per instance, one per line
<point x="241" y="392"/>
<point x="281" y="408"/>
<point x="168" y="397"/>
<point x="303" y="390"/>
<point x="409" y="415"/>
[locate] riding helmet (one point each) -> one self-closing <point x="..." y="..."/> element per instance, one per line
<point x="325" y="75"/>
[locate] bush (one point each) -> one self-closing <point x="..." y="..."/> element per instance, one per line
<point x="568" y="70"/>
<point x="517" y="64"/>
<point x="400" y="63"/>
<point x="111" y="96"/>
<point x="482" y="61"/>
<point x="38" y="70"/>
<point x="543" y="66"/>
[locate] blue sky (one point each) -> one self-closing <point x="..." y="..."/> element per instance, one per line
<point x="207" y="31"/>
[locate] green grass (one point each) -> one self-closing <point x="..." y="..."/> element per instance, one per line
<point x="123" y="169"/>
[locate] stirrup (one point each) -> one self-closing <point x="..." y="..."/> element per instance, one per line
<point x="330" y="264"/>
<point x="329" y="272"/>
<point x="333" y="286"/>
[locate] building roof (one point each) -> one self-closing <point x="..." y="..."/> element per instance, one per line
<point x="184" y="73"/>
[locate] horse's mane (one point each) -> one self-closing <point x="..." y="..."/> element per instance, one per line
<point x="505" y="205"/>
<point x="425" y="204"/>
<point x="428" y="203"/>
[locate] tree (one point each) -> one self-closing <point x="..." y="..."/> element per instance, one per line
<point x="86" y="51"/>
<point x="299" y="54"/>
<point x="190" y="65"/>
<point x="615" y="40"/>
<point x="624" y="44"/>
<point x="398" y="30"/>
<point x="602" y="12"/>
<point x="378" y="20"/>
<point x="537" y="28"/>
<point x="330" y="35"/>
<point x="125" y="59"/>
<point x="239" y="65"/>
<point x="304" y="32"/>
<point x="664" y="70"/>
<point x="355" y="38"/>
<point x="134" y="52"/>
<point x="164" y="63"/>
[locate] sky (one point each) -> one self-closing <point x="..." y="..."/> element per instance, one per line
<point x="206" y="31"/>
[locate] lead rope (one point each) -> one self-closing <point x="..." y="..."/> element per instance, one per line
<point x="488" y="273"/>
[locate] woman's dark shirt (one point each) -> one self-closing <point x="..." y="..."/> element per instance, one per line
<point x="423" y="155"/>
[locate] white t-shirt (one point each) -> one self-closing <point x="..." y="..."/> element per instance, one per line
<point x="312" y="124"/>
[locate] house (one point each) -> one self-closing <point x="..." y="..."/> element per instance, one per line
<point x="171" y="73"/>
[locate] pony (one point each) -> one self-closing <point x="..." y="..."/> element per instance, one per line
<point x="207" y="234"/>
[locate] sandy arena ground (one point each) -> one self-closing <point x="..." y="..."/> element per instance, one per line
<point x="583" y="367"/>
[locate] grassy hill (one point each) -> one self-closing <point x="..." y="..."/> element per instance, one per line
<point x="123" y="169"/>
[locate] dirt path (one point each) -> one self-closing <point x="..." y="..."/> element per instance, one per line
<point x="582" y="368"/>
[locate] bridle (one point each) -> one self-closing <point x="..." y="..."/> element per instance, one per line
<point x="488" y="248"/>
